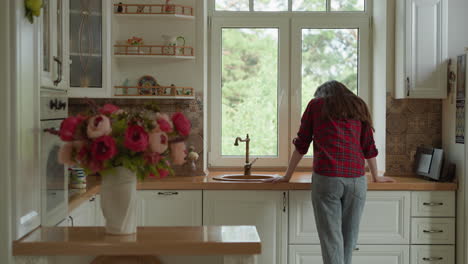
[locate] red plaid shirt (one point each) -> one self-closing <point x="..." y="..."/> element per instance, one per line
<point x="340" y="146"/>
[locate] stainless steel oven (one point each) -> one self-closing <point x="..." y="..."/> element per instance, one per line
<point x="54" y="179"/>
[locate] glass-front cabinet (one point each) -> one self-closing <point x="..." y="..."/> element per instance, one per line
<point x="53" y="54"/>
<point x="88" y="42"/>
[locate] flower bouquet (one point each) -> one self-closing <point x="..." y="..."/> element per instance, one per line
<point x="123" y="146"/>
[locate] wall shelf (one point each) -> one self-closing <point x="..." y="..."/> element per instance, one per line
<point x="155" y="16"/>
<point x="153" y="51"/>
<point x="153" y="10"/>
<point x="157" y="92"/>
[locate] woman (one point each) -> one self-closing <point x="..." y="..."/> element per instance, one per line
<point x="340" y="125"/>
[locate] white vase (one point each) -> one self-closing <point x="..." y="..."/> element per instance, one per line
<point x="119" y="201"/>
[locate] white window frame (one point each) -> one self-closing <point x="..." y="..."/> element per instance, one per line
<point x="290" y="26"/>
<point x="215" y="156"/>
<point x="330" y="22"/>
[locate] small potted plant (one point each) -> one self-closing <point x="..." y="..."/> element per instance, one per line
<point x="123" y="146"/>
<point x="135" y="44"/>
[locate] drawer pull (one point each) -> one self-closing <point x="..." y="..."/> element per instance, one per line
<point x="168" y="193"/>
<point x="433" y="259"/>
<point x="356" y="249"/>
<point x="433" y="231"/>
<point x="433" y="204"/>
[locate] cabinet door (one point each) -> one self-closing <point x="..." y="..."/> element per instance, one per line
<point x="421" y="48"/>
<point x="84" y="215"/>
<point x="385" y="220"/>
<point x="88" y="48"/>
<point x="388" y="254"/>
<point x="433" y="204"/>
<point x="170" y="208"/>
<point x="266" y="210"/>
<point x="52" y="39"/>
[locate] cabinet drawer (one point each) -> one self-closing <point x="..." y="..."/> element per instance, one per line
<point x="169" y="208"/>
<point x="370" y="254"/>
<point x="386" y="218"/>
<point x="432" y="254"/>
<point x="433" y="231"/>
<point x="430" y="204"/>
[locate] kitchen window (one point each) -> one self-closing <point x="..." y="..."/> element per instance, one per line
<point x="267" y="59"/>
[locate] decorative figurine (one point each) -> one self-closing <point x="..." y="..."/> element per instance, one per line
<point x="169" y="8"/>
<point x="120" y="8"/>
<point x="140" y="9"/>
<point x="192" y="157"/>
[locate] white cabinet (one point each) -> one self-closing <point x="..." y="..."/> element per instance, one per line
<point x="53" y="31"/>
<point x="170" y="208"/>
<point x="267" y="210"/>
<point x="432" y="254"/>
<point x="85" y="214"/>
<point x="433" y="204"/>
<point x="385" y="220"/>
<point x="421" y="49"/>
<point x="433" y="231"/>
<point x="89" y="48"/>
<point x="382" y="254"/>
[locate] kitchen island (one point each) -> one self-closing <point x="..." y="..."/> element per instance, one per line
<point x="216" y="244"/>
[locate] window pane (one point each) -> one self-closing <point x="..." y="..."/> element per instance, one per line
<point x="347" y="5"/>
<point x="328" y="54"/>
<point x="309" y="5"/>
<point x="232" y="5"/>
<point x="249" y="90"/>
<point x="271" y="5"/>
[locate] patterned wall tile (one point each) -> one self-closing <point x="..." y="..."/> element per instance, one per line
<point x="410" y="123"/>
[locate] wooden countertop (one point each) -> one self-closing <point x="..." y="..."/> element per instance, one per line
<point x="167" y="241"/>
<point x="299" y="181"/>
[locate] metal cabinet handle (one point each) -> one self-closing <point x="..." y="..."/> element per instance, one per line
<point x="92" y="199"/>
<point x="59" y="77"/>
<point x="407" y="86"/>
<point x="433" y="204"/>
<point x="168" y="193"/>
<point x="71" y="221"/>
<point x="284" y="201"/>
<point x="433" y="259"/>
<point x="356" y="249"/>
<point x="433" y="231"/>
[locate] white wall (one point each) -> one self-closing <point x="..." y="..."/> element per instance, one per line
<point x="457" y="41"/>
<point x="5" y="201"/>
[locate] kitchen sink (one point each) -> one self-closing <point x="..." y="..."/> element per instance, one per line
<point x="241" y="177"/>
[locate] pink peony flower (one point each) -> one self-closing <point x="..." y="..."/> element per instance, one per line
<point x="164" y="123"/>
<point x="158" y="142"/>
<point x="68" y="127"/>
<point x="99" y="126"/>
<point x="103" y="148"/>
<point x="136" y="138"/>
<point x="152" y="158"/>
<point x="65" y="155"/>
<point x="181" y="124"/>
<point x="83" y="153"/>
<point x="178" y="153"/>
<point x="108" y="109"/>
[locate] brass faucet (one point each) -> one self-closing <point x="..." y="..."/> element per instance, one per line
<point x="247" y="165"/>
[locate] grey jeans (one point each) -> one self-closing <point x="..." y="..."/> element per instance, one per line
<point x="338" y="204"/>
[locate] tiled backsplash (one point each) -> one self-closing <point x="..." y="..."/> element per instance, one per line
<point x="193" y="109"/>
<point x="410" y="123"/>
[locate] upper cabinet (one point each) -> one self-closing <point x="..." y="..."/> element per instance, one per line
<point x="53" y="54"/>
<point x="421" y="49"/>
<point x="89" y="48"/>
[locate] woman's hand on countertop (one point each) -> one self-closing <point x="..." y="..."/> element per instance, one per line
<point x="382" y="179"/>
<point x="278" y="179"/>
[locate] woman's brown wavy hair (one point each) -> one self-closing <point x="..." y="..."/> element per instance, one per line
<point x="340" y="103"/>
